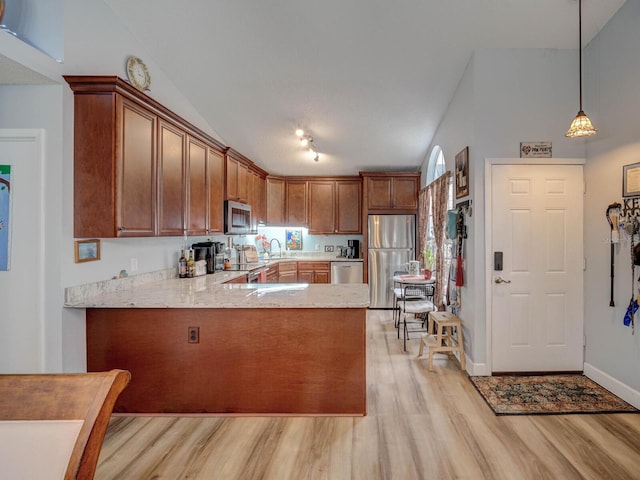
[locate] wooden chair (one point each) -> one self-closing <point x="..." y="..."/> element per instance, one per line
<point x="73" y="405"/>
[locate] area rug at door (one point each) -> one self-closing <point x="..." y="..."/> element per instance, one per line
<point x="547" y="394"/>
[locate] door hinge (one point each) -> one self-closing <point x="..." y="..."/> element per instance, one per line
<point x="584" y="264"/>
<point x="584" y="340"/>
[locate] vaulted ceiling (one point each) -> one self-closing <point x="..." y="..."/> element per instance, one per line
<point x="369" y="79"/>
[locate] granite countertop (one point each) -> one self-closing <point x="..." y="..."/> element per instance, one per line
<point x="163" y="290"/>
<point x="204" y="292"/>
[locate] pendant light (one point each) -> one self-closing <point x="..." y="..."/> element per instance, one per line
<point x="581" y="125"/>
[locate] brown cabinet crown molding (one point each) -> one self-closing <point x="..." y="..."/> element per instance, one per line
<point x="80" y="84"/>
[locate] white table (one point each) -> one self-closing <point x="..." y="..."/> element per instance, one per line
<point x="414" y="279"/>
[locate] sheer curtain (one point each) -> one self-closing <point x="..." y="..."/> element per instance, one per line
<point x="433" y="199"/>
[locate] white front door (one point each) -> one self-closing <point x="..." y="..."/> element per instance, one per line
<point x="537" y="299"/>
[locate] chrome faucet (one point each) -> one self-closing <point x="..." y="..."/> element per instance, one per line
<point x="279" y="247"/>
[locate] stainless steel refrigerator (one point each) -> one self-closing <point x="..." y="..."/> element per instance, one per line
<point x="391" y="246"/>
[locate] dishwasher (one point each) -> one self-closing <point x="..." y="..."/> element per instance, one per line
<point x="346" y="272"/>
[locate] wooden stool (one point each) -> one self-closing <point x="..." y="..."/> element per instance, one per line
<point x="442" y="340"/>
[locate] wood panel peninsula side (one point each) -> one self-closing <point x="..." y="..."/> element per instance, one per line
<point x="194" y="346"/>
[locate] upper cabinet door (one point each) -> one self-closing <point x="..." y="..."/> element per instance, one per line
<point x="275" y="201"/>
<point x="322" y="207"/>
<point x="405" y="192"/>
<point x="232" y="179"/>
<point x="296" y="203"/>
<point x="392" y="191"/>
<point x="196" y="187"/>
<point x="257" y="199"/>
<point x="349" y="206"/>
<point x="171" y="180"/>
<point x="379" y="193"/>
<point x="135" y="175"/>
<point x="243" y="183"/>
<point x="215" y="175"/>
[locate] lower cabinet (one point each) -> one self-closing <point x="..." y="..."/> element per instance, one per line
<point x="288" y="272"/>
<point x="242" y="279"/>
<point x="271" y="370"/>
<point x="273" y="274"/>
<point x="314" y="272"/>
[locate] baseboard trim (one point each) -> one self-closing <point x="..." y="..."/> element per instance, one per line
<point x="612" y="384"/>
<point x="477" y="369"/>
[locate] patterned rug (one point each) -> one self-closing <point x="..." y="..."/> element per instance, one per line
<point x="548" y="394"/>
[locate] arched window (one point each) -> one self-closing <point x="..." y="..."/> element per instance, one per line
<point x="436" y="165"/>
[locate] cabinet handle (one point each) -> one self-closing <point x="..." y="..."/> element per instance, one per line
<point x="122" y="229"/>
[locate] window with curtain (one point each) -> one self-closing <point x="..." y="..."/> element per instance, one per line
<point x="434" y="201"/>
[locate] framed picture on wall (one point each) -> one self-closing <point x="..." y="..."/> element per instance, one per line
<point x="462" y="173"/>
<point x="631" y="180"/>
<point x="294" y="239"/>
<point x="87" y="250"/>
<point x="5" y="211"/>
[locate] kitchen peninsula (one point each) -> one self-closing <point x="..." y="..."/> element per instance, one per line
<point x="199" y="346"/>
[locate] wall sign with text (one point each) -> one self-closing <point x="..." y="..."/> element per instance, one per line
<point x="535" y="149"/>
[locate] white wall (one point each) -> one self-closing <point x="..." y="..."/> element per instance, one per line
<point x="39" y="107"/>
<point x="531" y="95"/>
<point x="612" y="70"/>
<point x="95" y="43"/>
<point x="506" y="96"/>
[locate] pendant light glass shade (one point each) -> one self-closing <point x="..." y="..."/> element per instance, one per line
<point x="581" y="125"/>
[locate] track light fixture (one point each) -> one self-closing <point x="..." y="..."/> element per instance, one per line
<point x="306" y="141"/>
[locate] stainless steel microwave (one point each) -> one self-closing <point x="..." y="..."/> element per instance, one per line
<point x="237" y="218"/>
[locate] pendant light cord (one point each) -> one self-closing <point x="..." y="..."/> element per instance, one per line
<point x="580" y="46"/>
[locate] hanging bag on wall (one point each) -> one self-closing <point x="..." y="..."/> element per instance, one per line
<point x="452" y="224"/>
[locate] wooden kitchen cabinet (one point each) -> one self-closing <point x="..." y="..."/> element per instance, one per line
<point x="322" y="206"/>
<point x="257" y="199"/>
<point x="275" y="201"/>
<point x="237" y="177"/>
<point x="260" y="190"/>
<point x="392" y="190"/>
<point x="196" y="187"/>
<point x="273" y="273"/>
<point x="135" y="175"/>
<point x="215" y="177"/>
<point x="114" y="167"/>
<point x="288" y="272"/>
<point x="296" y="202"/>
<point x="171" y="179"/>
<point x="349" y="206"/>
<point x="335" y="206"/>
<point x="242" y="279"/>
<point x="314" y="272"/>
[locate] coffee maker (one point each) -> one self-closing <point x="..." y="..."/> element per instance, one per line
<point x="353" y="248"/>
<point x="204" y="251"/>
<point x="218" y="261"/>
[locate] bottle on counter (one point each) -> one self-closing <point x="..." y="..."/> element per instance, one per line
<point x="182" y="265"/>
<point x="191" y="265"/>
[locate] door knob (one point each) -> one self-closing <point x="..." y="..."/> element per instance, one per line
<point x="500" y="280"/>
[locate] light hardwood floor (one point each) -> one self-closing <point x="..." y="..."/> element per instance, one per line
<point x="420" y="425"/>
